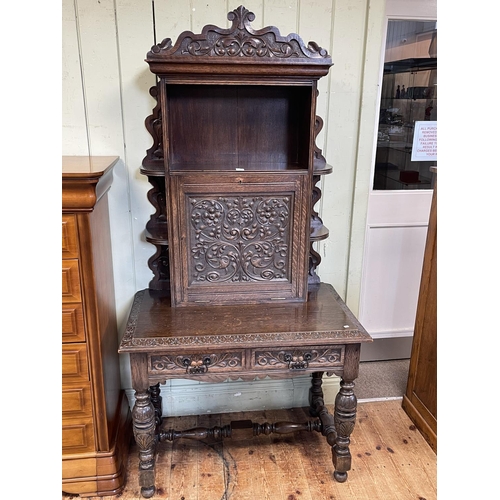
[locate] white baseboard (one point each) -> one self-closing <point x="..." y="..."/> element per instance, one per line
<point x="372" y="400"/>
<point x="382" y="349"/>
<point x="187" y="397"/>
<point x="390" y="334"/>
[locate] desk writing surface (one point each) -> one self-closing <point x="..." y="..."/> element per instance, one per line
<point x="154" y="325"/>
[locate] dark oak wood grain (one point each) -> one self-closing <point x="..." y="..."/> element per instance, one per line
<point x="155" y="325"/>
<point x="233" y="100"/>
<point x="234" y="169"/>
<point x="238" y="237"/>
<point x="217" y="342"/>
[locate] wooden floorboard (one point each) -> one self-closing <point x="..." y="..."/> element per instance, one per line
<point x="391" y="461"/>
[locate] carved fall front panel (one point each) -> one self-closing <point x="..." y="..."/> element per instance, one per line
<point x="242" y="238"/>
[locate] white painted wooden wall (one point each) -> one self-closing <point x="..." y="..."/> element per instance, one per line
<point x="106" y="100"/>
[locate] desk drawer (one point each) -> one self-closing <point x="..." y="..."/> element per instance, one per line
<point x="69" y="237"/>
<point x="75" y="366"/>
<point x="73" y="329"/>
<point x="76" y="401"/>
<point x="298" y="358"/>
<point x="78" y="436"/>
<point x="71" y="281"/>
<point x="197" y="363"/>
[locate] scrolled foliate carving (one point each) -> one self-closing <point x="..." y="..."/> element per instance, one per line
<point x="299" y="359"/>
<point x="241" y="41"/>
<point x="197" y="363"/>
<point x="240" y="238"/>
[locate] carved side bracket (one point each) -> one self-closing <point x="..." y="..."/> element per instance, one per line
<point x="153" y="123"/>
<point x="157" y="226"/>
<point x="318" y="230"/>
<point x="157" y="234"/>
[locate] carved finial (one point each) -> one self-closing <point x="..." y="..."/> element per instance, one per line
<point x="241" y="17"/>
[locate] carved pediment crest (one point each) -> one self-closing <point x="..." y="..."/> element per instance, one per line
<point x="239" y="41"/>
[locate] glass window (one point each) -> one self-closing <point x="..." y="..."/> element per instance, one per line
<point x="409" y="96"/>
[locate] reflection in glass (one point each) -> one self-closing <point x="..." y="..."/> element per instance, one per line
<point x="409" y="94"/>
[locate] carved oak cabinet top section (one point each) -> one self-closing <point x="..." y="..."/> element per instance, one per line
<point x="239" y="50"/>
<point x="234" y="135"/>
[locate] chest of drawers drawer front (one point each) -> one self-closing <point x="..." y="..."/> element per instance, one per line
<point x="71" y="281"/>
<point x="69" y="237"/>
<point x="298" y="358"/>
<point x="75" y="366"/>
<point x="78" y="436"/>
<point x="197" y="363"/>
<point x="76" y="401"/>
<point x="73" y="329"/>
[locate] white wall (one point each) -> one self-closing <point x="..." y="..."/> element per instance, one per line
<point x="106" y="100"/>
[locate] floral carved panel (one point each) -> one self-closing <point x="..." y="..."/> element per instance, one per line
<point x="239" y="238"/>
<point x="300" y="359"/>
<point x="196" y="363"/>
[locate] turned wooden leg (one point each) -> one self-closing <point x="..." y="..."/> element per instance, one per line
<point x="344" y="419"/>
<point x="144" y="425"/>
<point x="317" y="408"/>
<point x="154" y="391"/>
<point x="316" y="394"/>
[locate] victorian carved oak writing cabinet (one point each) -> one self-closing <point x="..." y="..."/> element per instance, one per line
<point x="235" y="294"/>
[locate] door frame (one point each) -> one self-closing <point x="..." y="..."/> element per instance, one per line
<point x="394" y="344"/>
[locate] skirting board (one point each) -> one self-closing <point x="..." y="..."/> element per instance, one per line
<point x="187" y="397"/>
<point x="384" y="349"/>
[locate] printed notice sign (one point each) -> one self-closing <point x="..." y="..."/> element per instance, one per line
<point x="424" y="141"/>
